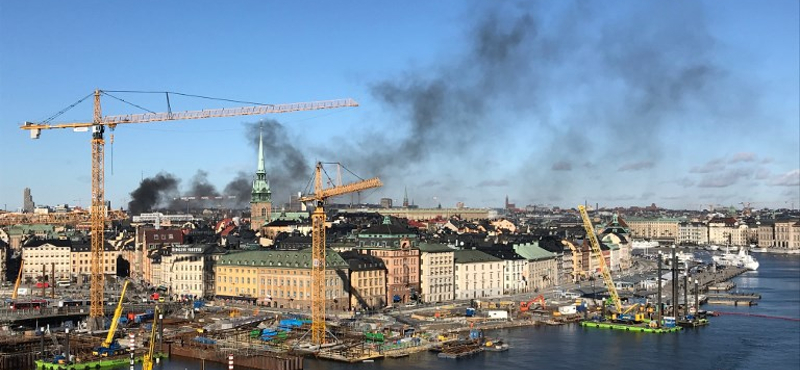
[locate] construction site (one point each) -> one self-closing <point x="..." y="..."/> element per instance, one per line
<point x="132" y="325"/>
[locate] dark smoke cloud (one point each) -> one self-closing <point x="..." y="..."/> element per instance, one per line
<point x="161" y="192"/>
<point x="618" y="79"/>
<point x="288" y="170"/>
<point x="241" y="187"/>
<point x="152" y="192"/>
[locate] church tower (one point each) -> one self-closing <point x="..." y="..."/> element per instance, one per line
<point x="261" y="197"/>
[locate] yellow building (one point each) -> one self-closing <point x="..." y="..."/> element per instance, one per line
<point x="81" y="261"/>
<point x="278" y="278"/>
<point x="663" y="228"/>
<point x="366" y="280"/>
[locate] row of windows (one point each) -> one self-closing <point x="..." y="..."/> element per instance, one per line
<point x="271" y="272"/>
<point x="278" y="293"/>
<point x="373" y="281"/>
<point x="275" y="281"/>
<point x="163" y="237"/>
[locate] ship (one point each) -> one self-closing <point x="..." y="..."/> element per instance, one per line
<point x="643" y="244"/>
<point x="742" y="259"/>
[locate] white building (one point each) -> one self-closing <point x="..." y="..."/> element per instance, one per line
<point x="188" y="270"/>
<point x="692" y="233"/>
<point x="43" y="255"/>
<point x="477" y="275"/>
<point x="437" y="262"/>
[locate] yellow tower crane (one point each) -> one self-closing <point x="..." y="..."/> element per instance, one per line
<point x="318" y="245"/>
<point x="612" y="290"/>
<point x="98" y="125"/>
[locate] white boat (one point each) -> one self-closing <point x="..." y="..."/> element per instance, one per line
<point x="741" y="259"/>
<point x="643" y="244"/>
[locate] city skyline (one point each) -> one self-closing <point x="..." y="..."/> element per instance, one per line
<point x="548" y="103"/>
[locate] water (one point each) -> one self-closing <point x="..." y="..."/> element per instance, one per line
<point x="730" y="342"/>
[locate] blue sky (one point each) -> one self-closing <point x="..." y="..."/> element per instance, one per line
<point x="615" y="102"/>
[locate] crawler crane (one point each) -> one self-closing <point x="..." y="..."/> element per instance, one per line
<point x="110" y="346"/>
<point x="601" y="261"/>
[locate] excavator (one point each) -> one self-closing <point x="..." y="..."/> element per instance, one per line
<point x="147" y="361"/>
<point x="110" y="346"/>
<point x="525" y="306"/>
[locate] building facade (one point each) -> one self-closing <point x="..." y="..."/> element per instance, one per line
<point x="477" y="275"/>
<point x="40" y="256"/>
<point x="436" y="266"/>
<point x="81" y="261"/>
<point x="366" y="281"/>
<point x="692" y="233"/>
<point x="787" y="234"/>
<point x="187" y="271"/>
<point x="543" y="269"/>
<point x="394" y="245"/>
<point x="279" y="279"/>
<point x="662" y="229"/>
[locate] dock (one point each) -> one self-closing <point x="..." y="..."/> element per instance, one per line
<point x="461" y="349"/>
<point x="733" y="296"/>
<point x="722" y="287"/>
<point x="733" y="302"/>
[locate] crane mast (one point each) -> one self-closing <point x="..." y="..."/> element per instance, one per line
<point x="98" y="125"/>
<point x="612" y="290"/>
<point x="147" y="360"/>
<point x="97" y="215"/>
<point x="318" y="245"/>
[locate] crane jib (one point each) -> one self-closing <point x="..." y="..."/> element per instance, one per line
<point x="201" y="114"/>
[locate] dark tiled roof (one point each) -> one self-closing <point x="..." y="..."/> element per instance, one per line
<point x="386" y="229"/>
<point x="474" y="256"/>
<point x="362" y="262"/>
<point x="54" y="242"/>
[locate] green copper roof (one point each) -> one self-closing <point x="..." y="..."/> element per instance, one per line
<point x="434" y="248"/>
<point x="474" y="256"/>
<point x="280" y="259"/>
<point x="532" y="252"/>
<point x="261" y="192"/>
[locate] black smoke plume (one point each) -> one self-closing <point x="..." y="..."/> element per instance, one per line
<point x="288" y="170"/>
<point x="241" y="187"/>
<point x="571" y="84"/>
<point x="152" y="192"/>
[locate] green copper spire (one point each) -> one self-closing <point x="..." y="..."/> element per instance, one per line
<point x="261" y="150"/>
<point x="261" y="192"/>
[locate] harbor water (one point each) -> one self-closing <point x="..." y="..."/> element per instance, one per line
<point x="732" y="341"/>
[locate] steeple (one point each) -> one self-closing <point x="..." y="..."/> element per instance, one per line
<point x="261" y="150"/>
<point x="261" y="197"/>
<point x="405" y="197"/>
